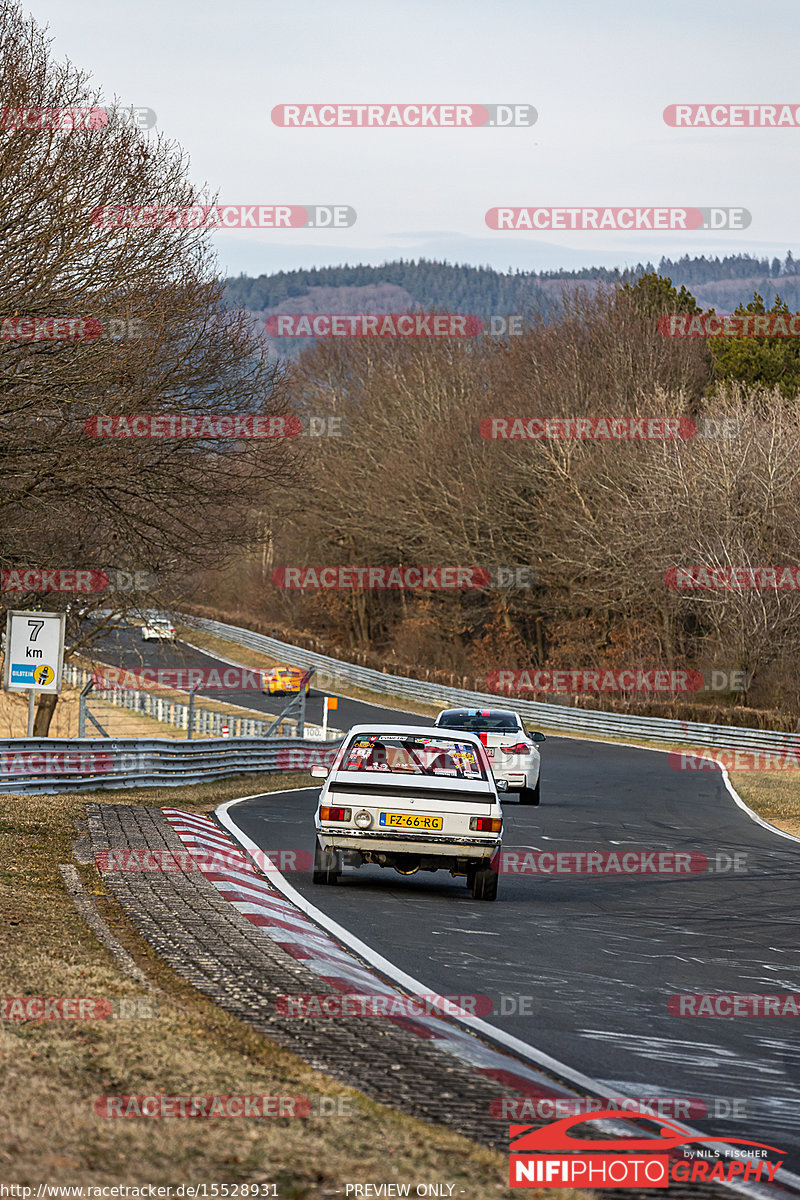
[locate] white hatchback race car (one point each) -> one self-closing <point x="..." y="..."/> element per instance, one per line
<point x="511" y="748"/>
<point x="158" y="630"/>
<point x="415" y="799"/>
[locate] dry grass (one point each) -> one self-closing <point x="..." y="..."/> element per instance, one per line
<point x="774" y="795"/>
<point x="14" y="714"/>
<point x="54" y="1070"/>
<point x="116" y="720"/>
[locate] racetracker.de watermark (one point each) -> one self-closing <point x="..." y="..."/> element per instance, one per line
<point x="25" y="580"/>
<point x="707" y="325"/>
<point x="732" y="116"/>
<point x="733" y="1004"/>
<point x="193" y="425"/>
<point x="403" y="116"/>
<point x="526" y="861"/>
<point x="299" y="759"/>
<point x="131" y="114"/>
<point x="588" y="429"/>
<point x="73" y="118"/>
<point x="785" y="759"/>
<point x="621" y="219"/>
<point x="402" y="325"/>
<point x="210" y="1107"/>
<point x="513" y="681"/>
<point x="207" y="862"/>
<point x="69" y="119"/>
<point x="179" y="679"/>
<point x="414" y="324"/>
<point x="607" y="428"/>
<point x="78" y="1008"/>
<point x="338" y="1005"/>
<point x="53" y="763"/>
<point x="682" y="1108"/>
<point x="224" y="216"/>
<point x="38" y="580"/>
<point x="49" y="329"/>
<point x="347" y="578"/>
<point x="720" y="578"/>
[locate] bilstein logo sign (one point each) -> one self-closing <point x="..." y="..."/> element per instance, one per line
<point x="550" y="1158"/>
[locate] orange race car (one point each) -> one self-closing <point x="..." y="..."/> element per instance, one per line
<point x="281" y="680"/>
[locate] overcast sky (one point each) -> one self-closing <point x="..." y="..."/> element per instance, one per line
<point x="599" y="76"/>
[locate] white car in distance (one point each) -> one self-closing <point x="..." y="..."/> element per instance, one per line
<point x="158" y="629"/>
<point x="511" y="748"/>
<point x="411" y="798"/>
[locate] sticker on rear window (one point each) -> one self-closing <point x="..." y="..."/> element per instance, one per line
<point x="414" y="755"/>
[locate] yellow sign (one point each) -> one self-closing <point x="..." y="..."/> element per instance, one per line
<point x="331" y="702"/>
<point x="44" y="675"/>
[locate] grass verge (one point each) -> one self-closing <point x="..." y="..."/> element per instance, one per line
<point x="54" y="1070"/>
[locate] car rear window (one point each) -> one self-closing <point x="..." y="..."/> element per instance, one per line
<point x="470" y="722"/>
<point x="413" y="755"/>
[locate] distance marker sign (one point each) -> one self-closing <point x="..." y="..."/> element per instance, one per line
<point x="34" y="652"/>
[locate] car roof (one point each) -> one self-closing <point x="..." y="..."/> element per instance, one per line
<point x="428" y="730"/>
<point x="480" y="712"/>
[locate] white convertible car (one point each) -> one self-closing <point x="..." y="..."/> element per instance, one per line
<point x="511" y="748"/>
<point x="415" y="799"/>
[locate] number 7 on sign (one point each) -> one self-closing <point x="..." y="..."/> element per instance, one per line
<point x="37" y="627"/>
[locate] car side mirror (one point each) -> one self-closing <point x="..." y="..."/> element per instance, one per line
<point x="319" y="772"/>
<point x="501" y="784"/>
<point x="536" y="736"/>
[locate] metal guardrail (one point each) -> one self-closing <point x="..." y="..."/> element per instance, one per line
<point x="553" y="716"/>
<point x="50" y="765"/>
<point x="79" y="764"/>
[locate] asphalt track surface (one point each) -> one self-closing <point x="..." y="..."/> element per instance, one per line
<point x="582" y="966"/>
<point x="597" y="957"/>
<point x="123" y="647"/>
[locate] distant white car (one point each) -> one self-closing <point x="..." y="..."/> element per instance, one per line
<point x="511" y="748"/>
<point x="415" y="799"/>
<point x="158" y="630"/>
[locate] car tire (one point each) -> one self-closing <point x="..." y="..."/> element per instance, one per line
<point x="484" y="884"/>
<point x="470" y="877"/>
<point x="327" y="865"/>
<point x="531" y="795"/>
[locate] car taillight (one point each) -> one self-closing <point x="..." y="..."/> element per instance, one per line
<point x="486" y="824"/>
<point x="334" y="814"/>
<point x="517" y="748"/>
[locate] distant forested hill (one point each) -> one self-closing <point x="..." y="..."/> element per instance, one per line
<point x="429" y="285"/>
<point x="720" y="283"/>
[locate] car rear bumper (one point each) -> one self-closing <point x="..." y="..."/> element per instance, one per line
<point x="516" y="779"/>
<point x="454" y="847"/>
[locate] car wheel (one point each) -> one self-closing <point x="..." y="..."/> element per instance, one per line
<point x="531" y="795"/>
<point x="327" y="865"/>
<point x="484" y="884"/>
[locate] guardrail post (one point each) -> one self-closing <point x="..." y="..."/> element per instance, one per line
<point x="190" y="726"/>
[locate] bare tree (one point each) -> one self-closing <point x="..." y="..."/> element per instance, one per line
<point x="160" y="505"/>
